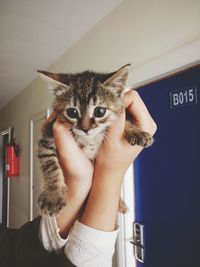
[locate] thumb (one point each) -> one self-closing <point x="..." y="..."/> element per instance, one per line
<point x="136" y="107"/>
<point x="116" y="130"/>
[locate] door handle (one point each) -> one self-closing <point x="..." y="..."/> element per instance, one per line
<point x="138" y="241"/>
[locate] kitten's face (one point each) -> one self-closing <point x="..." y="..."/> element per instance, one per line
<point x="92" y="117"/>
<point x="89" y="101"/>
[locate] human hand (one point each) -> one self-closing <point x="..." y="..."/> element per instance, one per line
<point x="77" y="168"/>
<point x="112" y="161"/>
<point x="116" y="154"/>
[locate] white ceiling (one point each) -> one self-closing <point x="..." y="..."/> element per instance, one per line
<point x="34" y="33"/>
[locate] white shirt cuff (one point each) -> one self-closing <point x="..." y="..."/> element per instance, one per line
<point x="84" y="246"/>
<point x="89" y="247"/>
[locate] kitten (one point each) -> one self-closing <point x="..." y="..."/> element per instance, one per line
<point x="90" y="102"/>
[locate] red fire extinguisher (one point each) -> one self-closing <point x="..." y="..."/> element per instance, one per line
<point x="12" y="157"/>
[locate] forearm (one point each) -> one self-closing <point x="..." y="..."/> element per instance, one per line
<point x="103" y="202"/>
<point x="102" y="206"/>
<point x="72" y="212"/>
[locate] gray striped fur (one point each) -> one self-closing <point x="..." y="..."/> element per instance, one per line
<point x="83" y="91"/>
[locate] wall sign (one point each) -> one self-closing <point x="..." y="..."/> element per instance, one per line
<point x="183" y="97"/>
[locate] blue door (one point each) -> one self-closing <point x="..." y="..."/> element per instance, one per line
<point x="167" y="175"/>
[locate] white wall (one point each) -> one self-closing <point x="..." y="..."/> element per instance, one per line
<point x="137" y="31"/>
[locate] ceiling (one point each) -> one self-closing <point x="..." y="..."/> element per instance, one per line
<point x="34" y="33"/>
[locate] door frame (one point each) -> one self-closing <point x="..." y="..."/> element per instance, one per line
<point x="2" y="134"/>
<point x="177" y="60"/>
<point x="125" y="222"/>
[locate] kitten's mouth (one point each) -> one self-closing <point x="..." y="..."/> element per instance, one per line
<point x="90" y="133"/>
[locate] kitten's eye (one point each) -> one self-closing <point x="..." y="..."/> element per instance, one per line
<point x="99" y="112"/>
<point x="72" y="113"/>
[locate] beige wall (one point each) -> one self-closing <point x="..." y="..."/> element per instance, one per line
<point x="137" y="31"/>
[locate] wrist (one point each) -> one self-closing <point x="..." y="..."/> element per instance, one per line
<point x="78" y="186"/>
<point x="103" y="202"/>
<point x="109" y="177"/>
<point x="110" y="172"/>
<point x="78" y="193"/>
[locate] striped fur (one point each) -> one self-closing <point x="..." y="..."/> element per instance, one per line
<point x="85" y="92"/>
<point x="53" y="197"/>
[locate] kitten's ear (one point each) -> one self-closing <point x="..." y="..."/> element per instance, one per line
<point x="54" y="83"/>
<point x="117" y="81"/>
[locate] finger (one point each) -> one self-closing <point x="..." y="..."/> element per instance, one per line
<point x="64" y="140"/>
<point x="136" y="107"/>
<point x="116" y="130"/>
<point x="61" y="126"/>
<point x="51" y="117"/>
<point x="139" y="112"/>
<point x="62" y="131"/>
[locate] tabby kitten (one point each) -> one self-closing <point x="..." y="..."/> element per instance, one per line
<point x="90" y="102"/>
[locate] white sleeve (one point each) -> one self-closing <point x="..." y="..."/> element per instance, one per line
<point x="84" y="246"/>
<point x="89" y="247"/>
<point x="49" y="234"/>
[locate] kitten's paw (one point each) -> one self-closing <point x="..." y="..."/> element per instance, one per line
<point x="51" y="202"/>
<point x="143" y="139"/>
